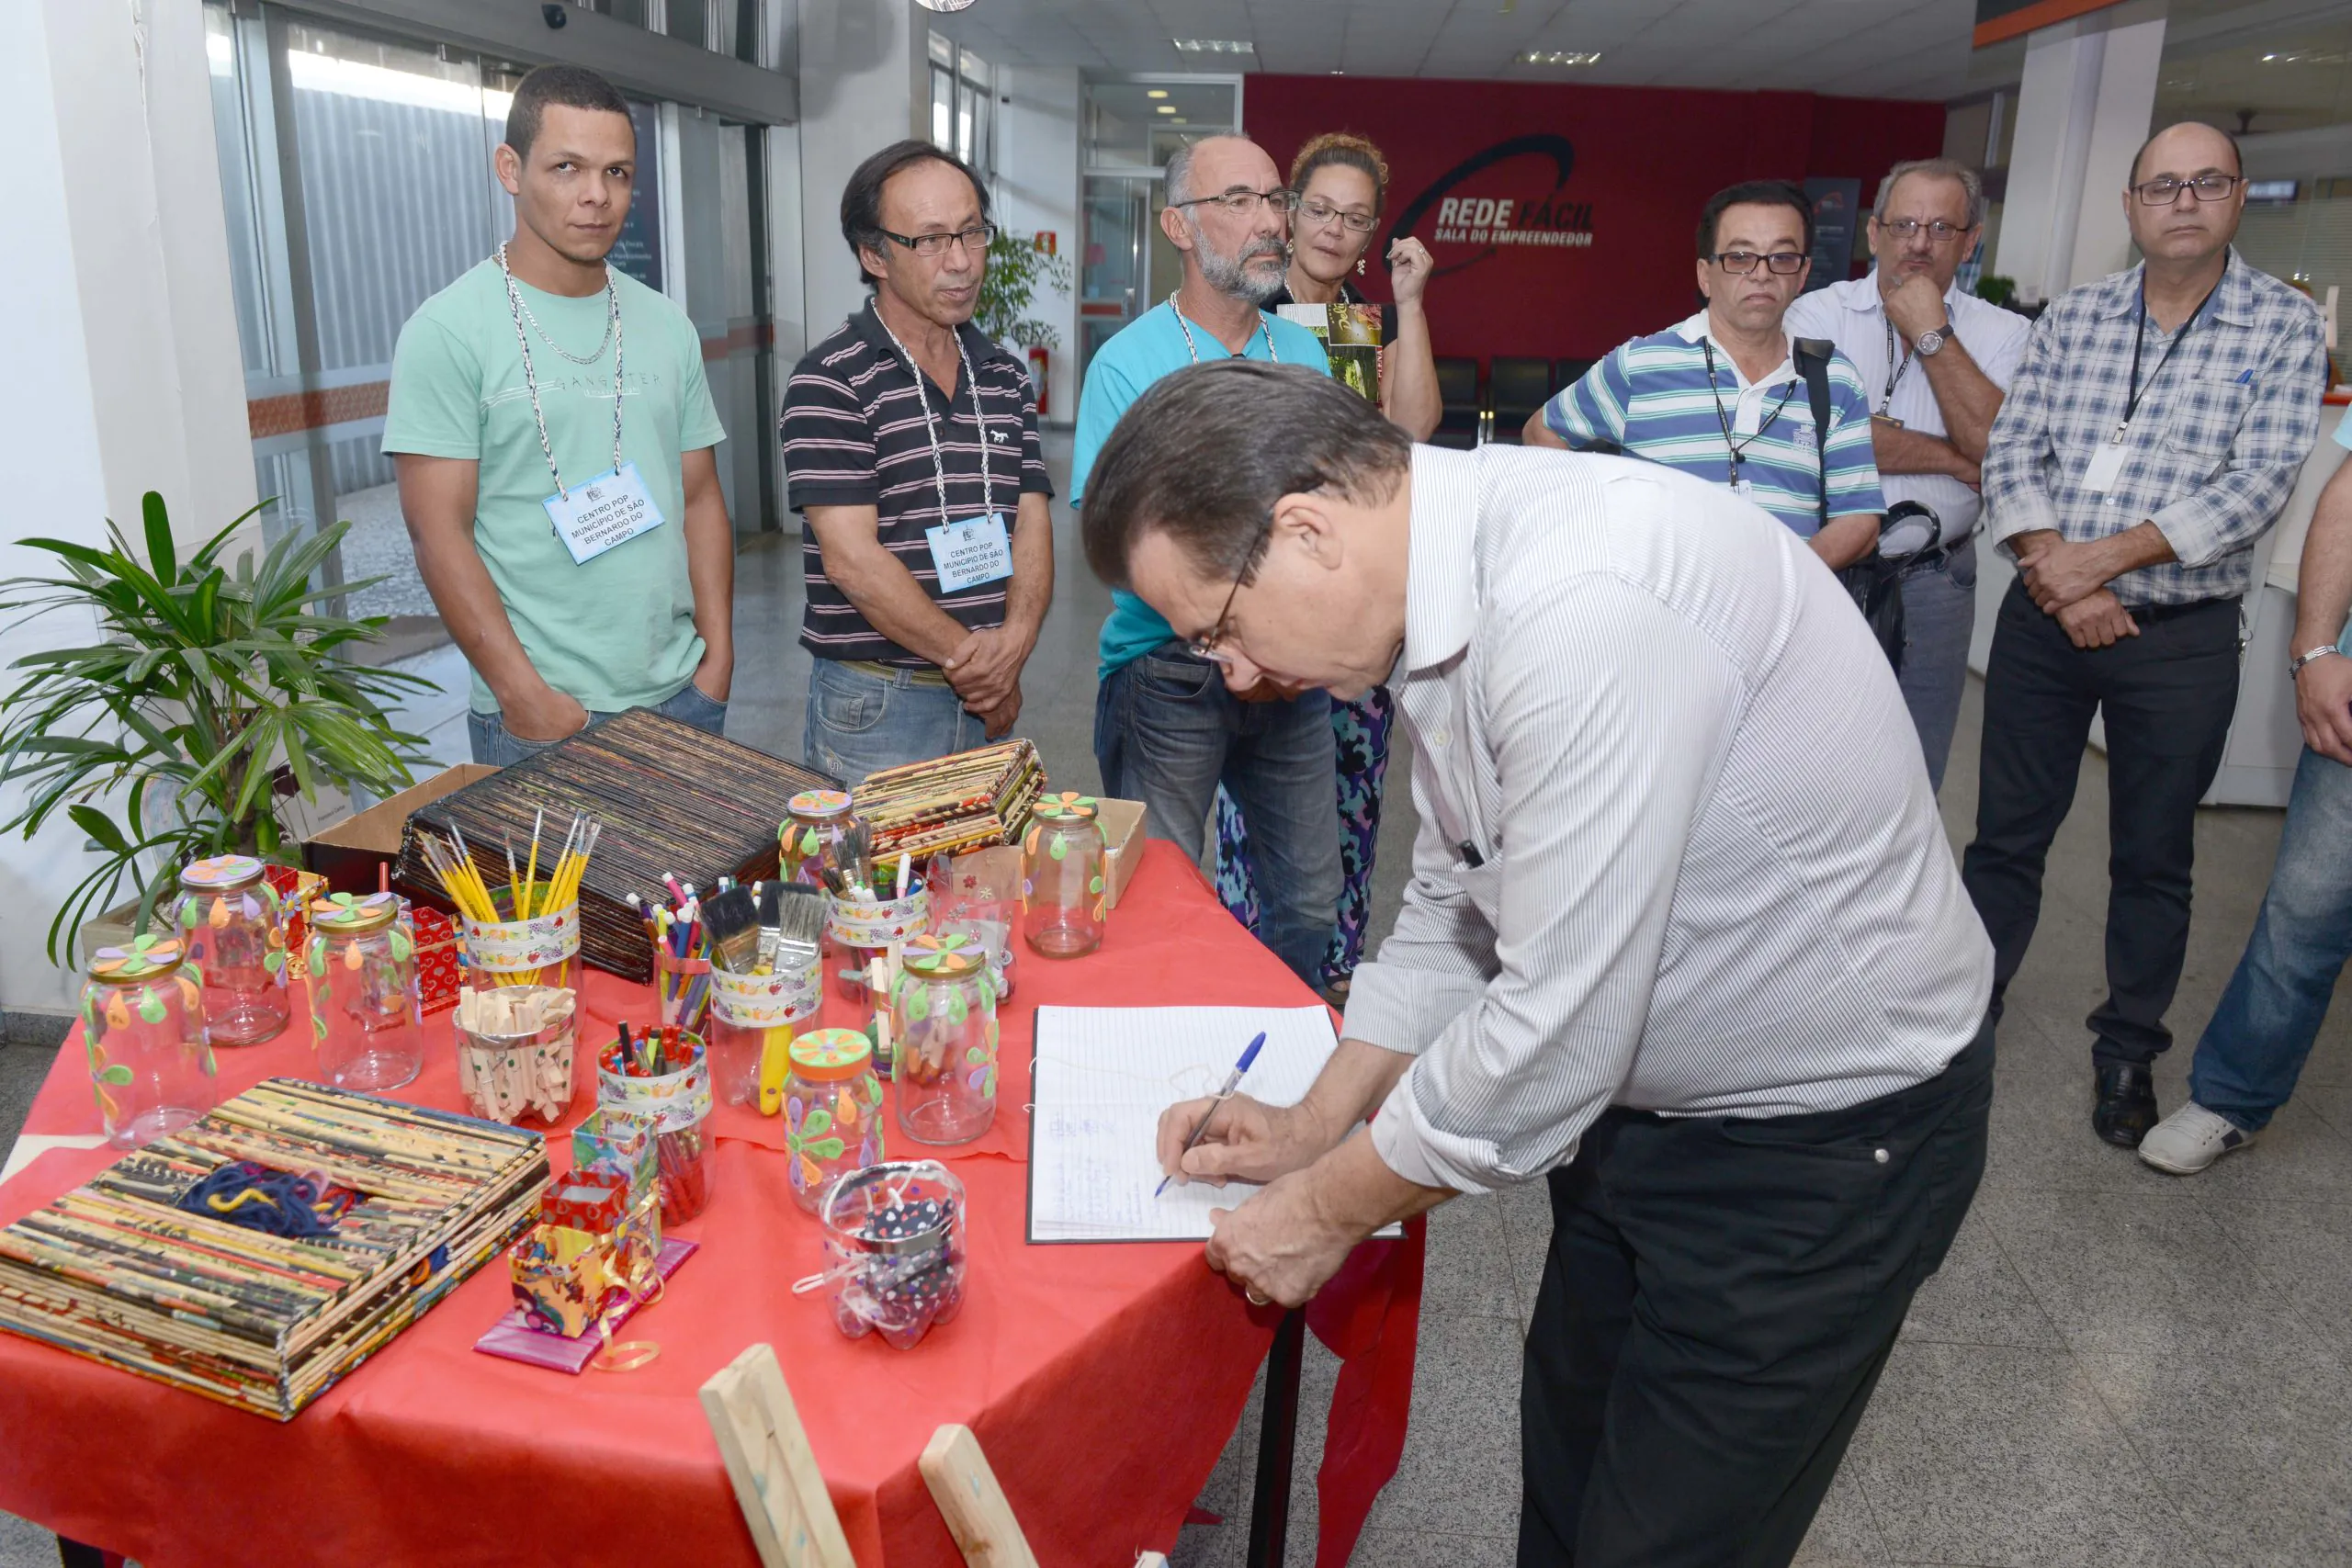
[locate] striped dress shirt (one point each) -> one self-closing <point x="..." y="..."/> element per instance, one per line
<point x="1677" y="851"/>
<point x="2221" y="432"/>
<point x="853" y="436"/>
<point x="1654" y="398"/>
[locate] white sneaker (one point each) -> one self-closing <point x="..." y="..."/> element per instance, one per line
<point x="2190" y="1139"/>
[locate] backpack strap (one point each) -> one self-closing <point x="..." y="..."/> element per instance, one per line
<point x="1812" y="356"/>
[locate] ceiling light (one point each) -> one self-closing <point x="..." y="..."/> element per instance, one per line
<point x="1157" y="93"/>
<point x="1168" y="109"/>
<point x="945" y="5"/>
<point x="1559" y="57"/>
<point x="1214" y="46"/>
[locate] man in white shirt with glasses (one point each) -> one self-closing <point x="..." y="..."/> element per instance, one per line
<point x="1935" y="362"/>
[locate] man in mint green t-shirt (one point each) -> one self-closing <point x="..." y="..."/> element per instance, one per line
<point x="1167" y="731"/>
<point x="583" y="561"/>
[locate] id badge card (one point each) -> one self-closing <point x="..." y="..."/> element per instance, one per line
<point x="611" y="509"/>
<point x="2105" y="468"/>
<point x="969" y="553"/>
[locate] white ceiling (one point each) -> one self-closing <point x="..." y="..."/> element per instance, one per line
<point x="1904" y="48"/>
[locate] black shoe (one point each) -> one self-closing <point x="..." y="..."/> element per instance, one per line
<point x="2127" y="1104"/>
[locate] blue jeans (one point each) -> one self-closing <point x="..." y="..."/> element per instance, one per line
<point x="859" y="723"/>
<point x="1167" y="733"/>
<point x="487" y="733"/>
<point x="2254" y="1048"/>
<point x="1938" y="616"/>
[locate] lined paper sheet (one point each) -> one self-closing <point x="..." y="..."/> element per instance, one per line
<point x="1101" y="1079"/>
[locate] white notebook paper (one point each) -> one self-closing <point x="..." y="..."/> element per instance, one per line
<point x="1102" y="1077"/>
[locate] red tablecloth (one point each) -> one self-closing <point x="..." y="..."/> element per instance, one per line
<point x="1102" y="1381"/>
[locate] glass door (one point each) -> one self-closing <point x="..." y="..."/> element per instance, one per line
<point x="1132" y="125"/>
<point x="1114" y="284"/>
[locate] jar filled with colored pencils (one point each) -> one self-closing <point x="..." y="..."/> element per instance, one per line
<point x="943" y="1030"/>
<point x="361" y="973"/>
<point x="228" y="925"/>
<point x="895" y="1250"/>
<point x="832" y="1111"/>
<point x="143" y="1029"/>
<point x="660" y="1077"/>
<point x="812" y="833"/>
<point x="1062" y="887"/>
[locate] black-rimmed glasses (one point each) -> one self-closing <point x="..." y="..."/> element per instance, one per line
<point x="2164" y="191"/>
<point x="1242" y="201"/>
<point x="975" y="241"/>
<point x="1739" y="264"/>
<point x="1205" y="645"/>
<point x="1320" y="212"/>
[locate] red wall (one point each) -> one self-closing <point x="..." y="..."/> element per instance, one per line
<point x="1642" y="162"/>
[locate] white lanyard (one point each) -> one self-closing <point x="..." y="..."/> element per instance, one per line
<point x="515" y="308"/>
<point x="979" y="417"/>
<point x="1195" y="353"/>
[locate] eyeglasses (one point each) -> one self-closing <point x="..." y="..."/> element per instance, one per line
<point x="1242" y="201"/>
<point x="1739" y="264"/>
<point x="1205" y="645"/>
<point x="975" y="241"/>
<point x="1941" y="232"/>
<point x="2164" y="191"/>
<point x="1320" y="212"/>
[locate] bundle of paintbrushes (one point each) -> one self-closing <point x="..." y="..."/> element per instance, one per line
<point x="148" y="1268"/>
<point x="525" y="931"/>
<point x="515" y="1047"/>
<point x="661" y="1079"/>
<point x="680" y="939"/>
<point x="668" y="798"/>
<point x="953" y="803"/>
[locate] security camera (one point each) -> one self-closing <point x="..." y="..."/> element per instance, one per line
<point x="555" y="14"/>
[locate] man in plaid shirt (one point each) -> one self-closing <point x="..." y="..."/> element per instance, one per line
<point x="2153" y="435"/>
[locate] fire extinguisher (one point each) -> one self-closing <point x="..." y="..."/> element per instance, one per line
<point x="1038" y="362"/>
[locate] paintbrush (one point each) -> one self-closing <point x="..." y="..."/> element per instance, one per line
<point x="733" y="922"/>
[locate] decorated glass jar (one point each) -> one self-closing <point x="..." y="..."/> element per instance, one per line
<point x="895" y="1250"/>
<point x="364" y="1009"/>
<point x="943" y="1031"/>
<point x="143" y="1029"/>
<point x="541" y="950"/>
<point x="674" y="1101"/>
<point x="1062" y="885"/>
<point x="814" y="822"/>
<point x="832" y="1111"/>
<point x="859" y="931"/>
<point x="751" y="1020"/>
<point x="235" y="946"/>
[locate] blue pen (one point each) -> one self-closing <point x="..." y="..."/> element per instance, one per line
<point x="1232" y="1082"/>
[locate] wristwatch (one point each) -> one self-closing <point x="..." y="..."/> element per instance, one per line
<point x="1931" y="342"/>
<point x="2295" y="665"/>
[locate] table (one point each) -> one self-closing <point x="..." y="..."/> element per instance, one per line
<point x="1102" y="1381"/>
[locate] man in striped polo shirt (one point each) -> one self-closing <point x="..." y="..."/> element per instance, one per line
<point x="1720" y="396"/>
<point x="911" y="449"/>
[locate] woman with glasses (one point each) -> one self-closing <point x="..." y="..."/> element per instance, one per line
<point x="1341" y="183"/>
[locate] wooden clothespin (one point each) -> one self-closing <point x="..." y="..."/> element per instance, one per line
<point x="774" y="1470"/>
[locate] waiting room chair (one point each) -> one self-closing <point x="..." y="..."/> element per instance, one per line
<point x="1457" y="387"/>
<point x="1515" y="388"/>
<point x="1566" y="373"/>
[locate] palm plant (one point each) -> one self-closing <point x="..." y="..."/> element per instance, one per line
<point x="212" y="695"/>
<point x="1016" y="269"/>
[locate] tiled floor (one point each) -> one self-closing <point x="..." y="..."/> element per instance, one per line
<point x="2114" y="1367"/>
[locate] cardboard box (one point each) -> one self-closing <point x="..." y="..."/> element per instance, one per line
<point x="349" y="854"/>
<point x="1122" y="823"/>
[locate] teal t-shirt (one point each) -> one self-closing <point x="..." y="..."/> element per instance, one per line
<point x="1152" y="346"/>
<point x="618" y="632"/>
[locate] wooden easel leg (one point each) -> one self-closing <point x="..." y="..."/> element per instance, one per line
<point x="1277" y="1440"/>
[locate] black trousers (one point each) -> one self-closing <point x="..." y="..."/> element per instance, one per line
<point x="1720" y="1298"/>
<point x="2167" y="695"/>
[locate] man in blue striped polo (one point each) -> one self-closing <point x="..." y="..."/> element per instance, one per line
<point x="1721" y="397"/>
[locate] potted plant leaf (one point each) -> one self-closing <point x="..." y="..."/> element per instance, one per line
<point x="1016" y="269"/>
<point x="213" y="693"/>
